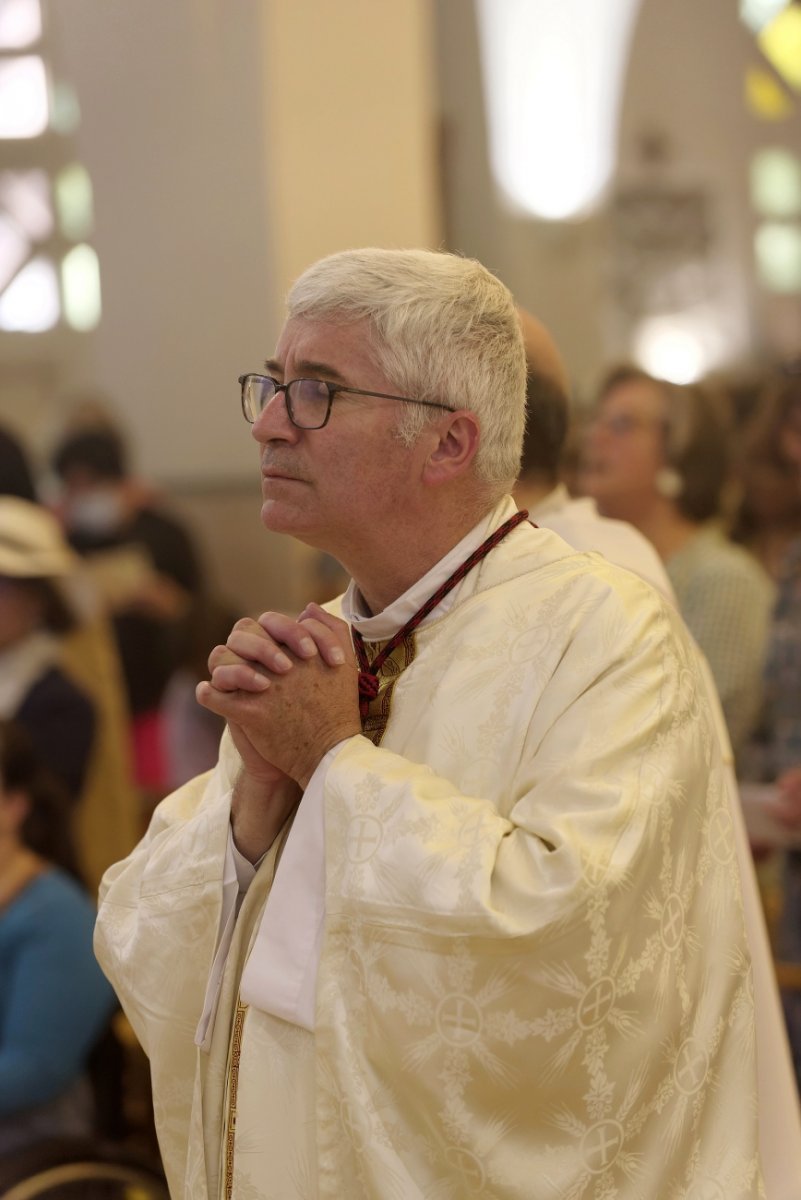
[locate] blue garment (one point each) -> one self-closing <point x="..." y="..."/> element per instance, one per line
<point x="54" y="999"/>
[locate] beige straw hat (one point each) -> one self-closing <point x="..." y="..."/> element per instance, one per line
<point x="31" y="542"/>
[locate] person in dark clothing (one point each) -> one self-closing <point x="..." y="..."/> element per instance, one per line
<point x="16" y="478"/>
<point x="35" y="613"/>
<point x="145" y="565"/>
<point x="107" y="820"/>
<point x="60" y="720"/>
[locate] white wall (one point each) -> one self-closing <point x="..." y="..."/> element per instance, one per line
<point x="172" y="133"/>
<point x="351" y="127"/>
<point x="230" y="144"/>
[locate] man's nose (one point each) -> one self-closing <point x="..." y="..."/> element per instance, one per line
<point x="273" y="423"/>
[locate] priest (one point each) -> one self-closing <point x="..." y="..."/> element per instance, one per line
<point x="459" y="910"/>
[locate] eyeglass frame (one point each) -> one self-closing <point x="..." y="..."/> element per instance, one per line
<point x="332" y="389"/>
<point x="622" y="424"/>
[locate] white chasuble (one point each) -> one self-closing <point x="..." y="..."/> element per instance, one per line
<point x="534" y="981"/>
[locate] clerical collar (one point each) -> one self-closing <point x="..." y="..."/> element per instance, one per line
<point x="378" y="627"/>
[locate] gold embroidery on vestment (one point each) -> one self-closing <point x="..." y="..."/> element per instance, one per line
<point x="389" y="672"/>
<point x="233" y="1088"/>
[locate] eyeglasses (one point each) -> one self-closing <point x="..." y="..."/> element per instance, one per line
<point x="622" y="424"/>
<point x="308" y="401"/>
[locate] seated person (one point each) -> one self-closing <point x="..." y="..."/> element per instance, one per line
<point x="35" y="615"/>
<point x="108" y="812"/>
<point x="54" y="1001"/>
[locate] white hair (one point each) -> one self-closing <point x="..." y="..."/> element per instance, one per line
<point x="444" y="329"/>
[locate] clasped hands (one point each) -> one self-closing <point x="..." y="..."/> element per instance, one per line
<point x="288" y="690"/>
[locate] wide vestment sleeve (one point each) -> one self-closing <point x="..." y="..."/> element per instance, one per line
<point x="155" y="938"/>
<point x="535" y="979"/>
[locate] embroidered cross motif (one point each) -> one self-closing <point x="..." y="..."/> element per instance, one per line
<point x="601" y="1145"/>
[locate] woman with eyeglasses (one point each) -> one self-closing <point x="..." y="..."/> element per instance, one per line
<point x="657" y="455"/>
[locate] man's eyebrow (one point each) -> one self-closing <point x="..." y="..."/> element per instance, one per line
<point x="307" y="369"/>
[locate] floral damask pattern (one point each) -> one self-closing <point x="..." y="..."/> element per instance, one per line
<point x="535" y="979"/>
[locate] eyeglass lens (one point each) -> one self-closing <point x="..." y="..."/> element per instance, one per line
<point x="622" y="424"/>
<point x="307" y="400"/>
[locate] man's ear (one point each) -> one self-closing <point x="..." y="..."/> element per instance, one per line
<point x="456" y="440"/>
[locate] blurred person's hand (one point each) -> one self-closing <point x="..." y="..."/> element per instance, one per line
<point x="788" y="807"/>
<point x="159" y="597"/>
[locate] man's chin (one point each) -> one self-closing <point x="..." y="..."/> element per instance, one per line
<point x="281" y="517"/>
<point x="276" y="515"/>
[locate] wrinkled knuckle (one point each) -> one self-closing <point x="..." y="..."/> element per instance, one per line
<point x="313" y="623"/>
<point x="216" y="656"/>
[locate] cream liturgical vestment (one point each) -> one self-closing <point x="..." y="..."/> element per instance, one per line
<point x="533" y="980"/>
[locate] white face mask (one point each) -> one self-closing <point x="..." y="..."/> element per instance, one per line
<point x="99" y="511"/>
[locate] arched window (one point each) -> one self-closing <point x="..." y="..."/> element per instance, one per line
<point x="49" y="273"/>
<point x="775" y="168"/>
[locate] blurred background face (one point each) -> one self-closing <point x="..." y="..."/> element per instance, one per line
<point x="92" y="503"/>
<point x="624" y="449"/>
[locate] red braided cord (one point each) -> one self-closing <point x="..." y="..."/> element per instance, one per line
<point x="368" y="680"/>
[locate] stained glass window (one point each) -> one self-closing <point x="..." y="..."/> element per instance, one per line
<point x="778" y="256"/>
<point x="780" y="42"/>
<point x="74" y="201"/>
<point x="80" y="281"/>
<point x="42" y="281"/>
<point x="20" y="23"/>
<point x="24" y="108"/>
<point x="765" y="97"/>
<point x="776" y="183"/>
<point x="758" y="13"/>
<point x="30" y="303"/>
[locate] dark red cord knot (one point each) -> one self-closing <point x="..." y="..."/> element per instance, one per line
<point x="368" y="690"/>
<point x="368" y="685"/>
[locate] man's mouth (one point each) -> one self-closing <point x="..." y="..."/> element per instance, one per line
<point x="272" y="471"/>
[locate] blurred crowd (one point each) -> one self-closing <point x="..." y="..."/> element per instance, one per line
<point x="107" y="619"/>
<point x="711" y="476"/>
<point x="715" y="487"/>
